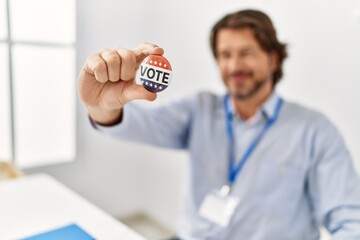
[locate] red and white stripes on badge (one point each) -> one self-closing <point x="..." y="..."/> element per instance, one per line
<point x="155" y="73"/>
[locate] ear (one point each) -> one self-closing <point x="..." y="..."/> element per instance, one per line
<point x="274" y="61"/>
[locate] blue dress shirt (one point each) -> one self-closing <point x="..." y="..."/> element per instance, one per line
<point x="299" y="177"/>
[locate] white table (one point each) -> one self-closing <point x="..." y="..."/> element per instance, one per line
<point x="38" y="203"/>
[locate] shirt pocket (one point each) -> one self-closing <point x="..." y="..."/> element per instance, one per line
<point x="278" y="188"/>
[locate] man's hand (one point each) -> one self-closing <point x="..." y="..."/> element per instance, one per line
<point x="107" y="81"/>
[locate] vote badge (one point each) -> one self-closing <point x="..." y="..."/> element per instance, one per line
<point x="155" y="73"/>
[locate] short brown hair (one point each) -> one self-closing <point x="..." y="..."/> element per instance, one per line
<point x="264" y="32"/>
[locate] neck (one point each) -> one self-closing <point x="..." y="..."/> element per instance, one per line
<point x="247" y="108"/>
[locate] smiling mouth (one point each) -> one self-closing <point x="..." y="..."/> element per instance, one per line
<point x="239" y="77"/>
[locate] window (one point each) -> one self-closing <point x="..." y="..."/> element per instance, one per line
<point x="5" y="125"/>
<point x="37" y="90"/>
<point x="3" y="22"/>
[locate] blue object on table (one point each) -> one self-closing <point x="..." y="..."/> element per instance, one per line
<point x="69" y="232"/>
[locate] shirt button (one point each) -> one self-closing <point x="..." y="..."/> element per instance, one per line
<point x="155" y="73"/>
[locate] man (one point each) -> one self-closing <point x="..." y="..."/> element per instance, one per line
<point x="261" y="167"/>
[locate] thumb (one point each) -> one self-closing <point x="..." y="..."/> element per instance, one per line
<point x="146" y="49"/>
<point x="136" y="91"/>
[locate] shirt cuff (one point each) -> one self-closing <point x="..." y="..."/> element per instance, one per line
<point x="100" y="127"/>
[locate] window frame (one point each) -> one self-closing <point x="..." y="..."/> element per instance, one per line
<point x="10" y="43"/>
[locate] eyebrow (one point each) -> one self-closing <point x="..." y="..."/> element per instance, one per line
<point x="244" y="49"/>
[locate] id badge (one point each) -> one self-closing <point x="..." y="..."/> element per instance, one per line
<point x="219" y="207"/>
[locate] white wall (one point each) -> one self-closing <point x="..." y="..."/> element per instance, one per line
<point x="322" y="72"/>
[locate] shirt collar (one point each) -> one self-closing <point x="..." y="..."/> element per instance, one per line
<point x="267" y="109"/>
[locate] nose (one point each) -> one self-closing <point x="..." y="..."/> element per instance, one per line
<point x="236" y="63"/>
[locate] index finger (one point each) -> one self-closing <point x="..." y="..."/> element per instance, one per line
<point x="146" y="49"/>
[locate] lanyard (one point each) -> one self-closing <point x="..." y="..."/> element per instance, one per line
<point x="235" y="170"/>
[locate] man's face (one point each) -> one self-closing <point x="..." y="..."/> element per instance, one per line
<point x="244" y="66"/>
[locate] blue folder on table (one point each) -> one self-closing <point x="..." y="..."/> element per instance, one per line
<point x="69" y="232"/>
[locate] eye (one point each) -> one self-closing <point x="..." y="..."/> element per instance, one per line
<point x="224" y="55"/>
<point x="246" y="53"/>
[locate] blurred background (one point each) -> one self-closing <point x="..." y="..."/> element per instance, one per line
<point x="45" y="128"/>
